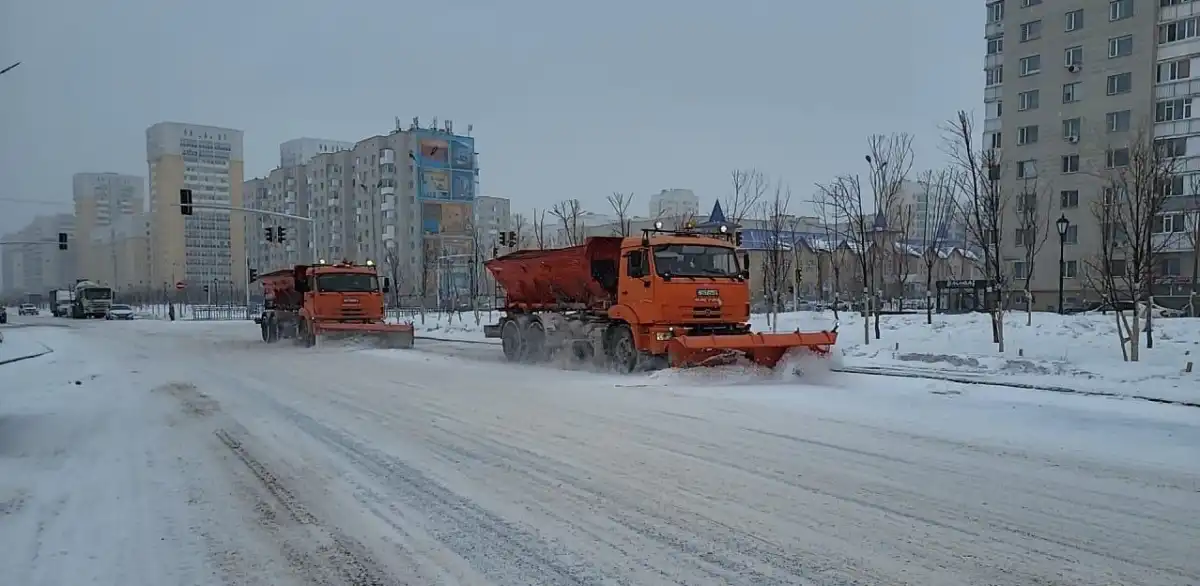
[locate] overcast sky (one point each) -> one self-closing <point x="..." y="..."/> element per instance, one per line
<point x="568" y="99"/>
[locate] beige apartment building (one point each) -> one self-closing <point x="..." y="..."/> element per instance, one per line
<point x="101" y="200"/>
<point x="120" y="254"/>
<point x="208" y="247"/>
<point x="1068" y="86"/>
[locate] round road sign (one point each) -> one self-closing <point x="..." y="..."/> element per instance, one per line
<point x="180" y="286"/>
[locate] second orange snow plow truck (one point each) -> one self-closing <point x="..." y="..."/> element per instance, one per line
<point x="667" y="298"/>
<point x="341" y="300"/>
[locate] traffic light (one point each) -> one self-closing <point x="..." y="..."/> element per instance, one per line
<point x="185" y="202"/>
<point x="253" y="274"/>
<point x="282" y="233"/>
<point x="206" y="288"/>
<point x="737" y="239"/>
<point x="62" y="240"/>
<point x="512" y="239"/>
<point x="270" y="232"/>
<point x="504" y="239"/>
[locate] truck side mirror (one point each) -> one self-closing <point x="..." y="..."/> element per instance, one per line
<point x="387" y="285"/>
<point x="746" y="265"/>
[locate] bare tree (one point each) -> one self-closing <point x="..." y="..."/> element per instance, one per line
<point x="831" y="226"/>
<point x="779" y="249"/>
<point x="902" y="251"/>
<point x="1193" y="239"/>
<point x="568" y="213"/>
<point x="983" y="203"/>
<point x="940" y="209"/>
<point x="749" y="187"/>
<point x="845" y="196"/>
<point x="620" y="206"/>
<point x="890" y="160"/>
<point x="539" y="228"/>
<point x="1137" y="181"/>
<point x="1033" y="227"/>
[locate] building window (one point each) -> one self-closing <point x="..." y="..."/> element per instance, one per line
<point x="1114" y="158"/>
<point x="1119" y="9"/>
<point x="1120" y="46"/>
<point x="1031" y="64"/>
<point x="1174" y="70"/>
<point x="1170" y="110"/>
<point x="1070" y="269"/>
<point x="1121" y="83"/>
<point x="1068" y="198"/>
<point x="995" y="75"/>
<point x="1118" y="121"/>
<point x="1031" y="31"/>
<point x="1070" y="163"/>
<point x="1072" y="235"/>
<point x="1026" y="169"/>
<point x="1071" y="92"/>
<point x="1179" y="30"/>
<point x="1171" y="147"/>
<point x="1073" y="56"/>
<point x="1175" y="185"/>
<point x="1071" y="128"/>
<point x="1074" y="20"/>
<point x="995" y="45"/>
<point x="1028" y="3"/>
<point x="995" y="11"/>
<point x="1027" y="134"/>
<point x="1027" y="100"/>
<point x="995" y="139"/>
<point x="1170" y="224"/>
<point x="1019" y="270"/>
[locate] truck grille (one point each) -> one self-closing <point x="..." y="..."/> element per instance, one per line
<point x="706" y="312"/>
<point x="353" y="313"/>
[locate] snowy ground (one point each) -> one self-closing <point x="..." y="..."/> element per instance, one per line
<point x="1077" y="352"/>
<point x="152" y="452"/>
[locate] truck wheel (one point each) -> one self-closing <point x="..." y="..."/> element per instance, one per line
<point x="310" y="338"/>
<point x="535" y="342"/>
<point x="510" y="340"/>
<point x="622" y="350"/>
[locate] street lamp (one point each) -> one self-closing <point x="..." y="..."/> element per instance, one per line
<point x="1061" y="224"/>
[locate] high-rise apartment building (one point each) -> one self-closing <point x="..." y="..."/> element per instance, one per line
<point x="36" y="265"/>
<point x="299" y="151"/>
<point x="100" y="200"/>
<point x="332" y="206"/>
<point x="120" y="254"/>
<point x="674" y="203"/>
<point x="207" y="247"/>
<point x="1069" y="86"/>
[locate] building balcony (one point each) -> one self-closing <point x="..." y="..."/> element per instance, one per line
<point x="389" y="190"/>
<point x="389" y="204"/>
<point x="992" y="93"/>
<point x="991" y="125"/>
<point x="332" y="202"/>
<point x="389" y="232"/>
<point x="387" y="156"/>
<point x="992" y="29"/>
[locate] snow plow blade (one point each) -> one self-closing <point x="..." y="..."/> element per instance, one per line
<point x="761" y="349"/>
<point x="384" y="335"/>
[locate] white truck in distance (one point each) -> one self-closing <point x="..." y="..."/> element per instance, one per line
<point x="91" y="300"/>
<point x="60" y="302"/>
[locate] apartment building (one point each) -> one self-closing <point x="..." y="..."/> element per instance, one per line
<point x="332" y="205"/>
<point x="674" y="203"/>
<point x="120" y="254"/>
<point x="414" y="192"/>
<point x="1069" y="85"/>
<point x="36" y="265"/>
<point x="299" y="151"/>
<point x="933" y="221"/>
<point x="100" y="200"/>
<point x="207" y="247"/>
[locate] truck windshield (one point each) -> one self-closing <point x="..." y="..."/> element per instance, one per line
<point x="347" y="283"/>
<point x="687" y="260"/>
<point x="97" y="293"/>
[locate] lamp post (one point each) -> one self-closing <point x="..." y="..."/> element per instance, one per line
<point x="1061" y="224"/>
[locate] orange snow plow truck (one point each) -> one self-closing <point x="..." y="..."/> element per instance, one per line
<point x="666" y="299"/>
<point x="316" y="302"/>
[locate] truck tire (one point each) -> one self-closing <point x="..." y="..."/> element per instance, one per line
<point x="511" y="341"/>
<point x="535" y="342"/>
<point x="622" y="351"/>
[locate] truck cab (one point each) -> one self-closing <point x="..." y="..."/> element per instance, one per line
<point x="668" y="278"/>
<point x="342" y="291"/>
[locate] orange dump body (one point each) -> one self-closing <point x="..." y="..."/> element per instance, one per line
<point x="561" y="278"/>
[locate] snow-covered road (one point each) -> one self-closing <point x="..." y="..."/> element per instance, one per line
<point x="194" y="454"/>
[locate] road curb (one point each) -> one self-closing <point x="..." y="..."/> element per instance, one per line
<point x="47" y="350"/>
<point x="966" y="380"/>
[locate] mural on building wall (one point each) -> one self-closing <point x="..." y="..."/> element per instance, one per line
<point x="435" y="184"/>
<point x="462" y="153"/>
<point x="455" y="218"/>
<point x="435" y="152"/>
<point x="464" y="186"/>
